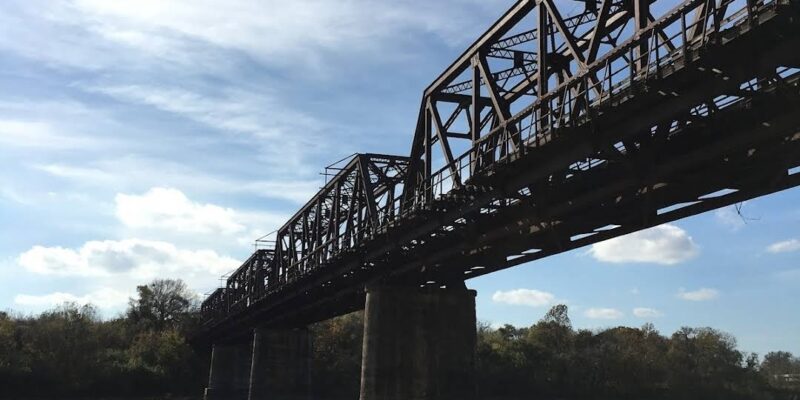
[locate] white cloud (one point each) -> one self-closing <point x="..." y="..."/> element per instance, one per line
<point x="167" y="208"/>
<point x="135" y="258"/>
<point x="105" y="298"/>
<point x="665" y="244"/>
<point x="784" y="246"/>
<point x="524" y="297"/>
<point x="167" y="212"/>
<point x="644" y="312"/>
<point x="701" y="294"/>
<point x="603" y="313"/>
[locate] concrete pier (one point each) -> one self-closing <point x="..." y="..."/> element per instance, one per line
<point x="280" y="365"/>
<point x="419" y="344"/>
<point x="229" y="376"/>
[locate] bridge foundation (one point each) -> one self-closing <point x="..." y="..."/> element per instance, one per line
<point x="419" y="344"/>
<point x="229" y="376"/>
<point x="281" y="364"/>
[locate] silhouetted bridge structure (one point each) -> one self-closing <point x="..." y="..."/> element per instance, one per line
<point x="549" y="133"/>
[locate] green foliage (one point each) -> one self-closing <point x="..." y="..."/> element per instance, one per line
<point x="552" y="360"/>
<point x="782" y="370"/>
<point x="336" y="362"/>
<point x="162" y="304"/>
<point x="13" y="362"/>
<point x="70" y="352"/>
<point x="162" y="353"/>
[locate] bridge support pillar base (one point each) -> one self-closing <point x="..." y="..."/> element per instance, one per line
<point x="228" y="378"/>
<point x="281" y="364"/>
<point x="419" y="344"/>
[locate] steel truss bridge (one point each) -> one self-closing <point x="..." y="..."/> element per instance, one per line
<point x="549" y="133"/>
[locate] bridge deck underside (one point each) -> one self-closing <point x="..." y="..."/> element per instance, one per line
<point x="711" y="130"/>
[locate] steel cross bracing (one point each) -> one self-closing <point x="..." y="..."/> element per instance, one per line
<point x="355" y="204"/>
<point x="547" y="134"/>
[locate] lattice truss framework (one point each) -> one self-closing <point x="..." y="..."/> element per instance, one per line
<point x="535" y="71"/>
<point x="550" y="132"/>
<point x="358" y="200"/>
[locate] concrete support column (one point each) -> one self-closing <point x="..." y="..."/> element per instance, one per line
<point x="281" y="365"/>
<point x="229" y="376"/>
<point x="419" y="344"/>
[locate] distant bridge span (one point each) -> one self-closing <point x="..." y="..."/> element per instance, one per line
<point x="549" y="133"/>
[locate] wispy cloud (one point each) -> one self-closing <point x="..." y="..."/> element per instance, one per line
<point x="603" y="313"/>
<point x="97" y="35"/>
<point x="38" y="134"/>
<point x="524" y="297"/>
<point x="105" y="298"/>
<point x="84" y="175"/>
<point x="133" y="173"/>
<point x="296" y="31"/>
<point x="234" y="111"/>
<point x="285" y="136"/>
<point x="785" y="246"/>
<point x="644" y="312"/>
<point x="702" y="294"/>
<point x="665" y="244"/>
<point x="12" y="195"/>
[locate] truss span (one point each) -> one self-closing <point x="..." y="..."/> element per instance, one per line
<point x="536" y="141"/>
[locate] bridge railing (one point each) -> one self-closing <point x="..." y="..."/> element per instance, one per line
<point x="214" y="307"/>
<point x="361" y="201"/>
<point x="352" y="207"/>
<point x="664" y="45"/>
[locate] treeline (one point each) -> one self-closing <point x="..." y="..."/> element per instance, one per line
<point x="71" y="352"/>
<point x="552" y="360"/>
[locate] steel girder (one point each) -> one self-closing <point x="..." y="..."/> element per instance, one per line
<point x="647" y="121"/>
<point x="351" y="207"/>
<point x="515" y="85"/>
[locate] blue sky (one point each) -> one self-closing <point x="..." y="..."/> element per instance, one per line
<point x="145" y="139"/>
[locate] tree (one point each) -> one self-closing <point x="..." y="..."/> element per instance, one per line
<point x="336" y="362"/>
<point x="777" y="364"/>
<point x="12" y="360"/>
<point x="166" y="360"/>
<point x="558" y="315"/>
<point x="161" y="304"/>
<point x="62" y="346"/>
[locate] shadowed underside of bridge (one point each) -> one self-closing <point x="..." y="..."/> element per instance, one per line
<point x="549" y="133"/>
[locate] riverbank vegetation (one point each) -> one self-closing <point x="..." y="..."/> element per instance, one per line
<point x="552" y="360"/>
<point x="71" y="352"/>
